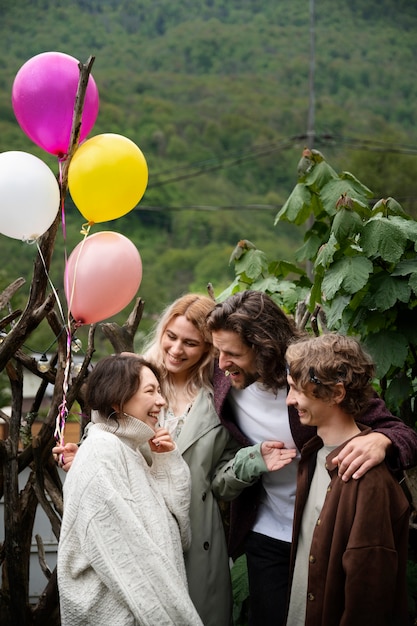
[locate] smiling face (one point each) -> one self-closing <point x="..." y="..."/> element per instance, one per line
<point x="312" y="411"/>
<point x="182" y="345"/>
<point x="146" y="404"/>
<point x="236" y="358"/>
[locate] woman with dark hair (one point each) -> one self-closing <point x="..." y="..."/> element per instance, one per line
<point x="126" y="508"/>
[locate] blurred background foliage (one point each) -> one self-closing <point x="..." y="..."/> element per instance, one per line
<point x="215" y="93"/>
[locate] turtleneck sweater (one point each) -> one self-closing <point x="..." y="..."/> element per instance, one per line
<point x="124" y="528"/>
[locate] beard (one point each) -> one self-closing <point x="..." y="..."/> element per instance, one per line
<point x="240" y="379"/>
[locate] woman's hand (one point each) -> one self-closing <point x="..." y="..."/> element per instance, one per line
<point x="65" y="455"/>
<point x="162" y="442"/>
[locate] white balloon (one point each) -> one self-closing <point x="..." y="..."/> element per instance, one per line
<point x="29" y="196"/>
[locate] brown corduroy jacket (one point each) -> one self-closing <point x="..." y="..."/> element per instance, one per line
<point x="358" y="555"/>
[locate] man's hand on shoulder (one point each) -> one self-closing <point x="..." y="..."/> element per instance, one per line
<point x="361" y="454"/>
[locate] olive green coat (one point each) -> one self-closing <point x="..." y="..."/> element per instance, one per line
<point x="206" y="445"/>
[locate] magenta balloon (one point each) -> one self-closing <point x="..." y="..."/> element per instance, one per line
<point x="43" y="99"/>
<point x="102" y="275"/>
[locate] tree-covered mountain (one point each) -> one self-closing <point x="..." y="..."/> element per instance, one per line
<point x="216" y="95"/>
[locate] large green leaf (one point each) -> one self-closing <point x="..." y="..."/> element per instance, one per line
<point x="327" y="252"/>
<point x="283" y="268"/>
<point x="388" y="348"/>
<point x="385" y="291"/>
<point x="381" y="237"/>
<point x="361" y="190"/>
<point x="334" y="311"/>
<point x="349" y="274"/>
<point x="319" y="176"/>
<point x="398" y="390"/>
<point x="253" y="263"/>
<point x="389" y="206"/>
<point x="405" y="267"/>
<point x="331" y="193"/>
<point x="309" y="249"/>
<point x="406" y="226"/>
<point x="298" y="206"/>
<point x="346" y="224"/>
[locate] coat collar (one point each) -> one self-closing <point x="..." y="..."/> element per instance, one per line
<point x="201" y="418"/>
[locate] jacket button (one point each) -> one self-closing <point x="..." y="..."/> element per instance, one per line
<point x="310" y="596"/>
<point x="204" y="496"/>
<point x="206" y="545"/>
<point x="251" y="455"/>
<point x="318" y="522"/>
<point x="312" y="558"/>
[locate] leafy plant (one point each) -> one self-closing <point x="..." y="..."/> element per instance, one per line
<point x="363" y="271"/>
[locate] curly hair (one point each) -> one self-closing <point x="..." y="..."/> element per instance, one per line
<point x="263" y="326"/>
<point x="113" y="381"/>
<point x="194" y="308"/>
<point x="330" y="359"/>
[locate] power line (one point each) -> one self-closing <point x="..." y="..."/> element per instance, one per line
<point x="200" y="168"/>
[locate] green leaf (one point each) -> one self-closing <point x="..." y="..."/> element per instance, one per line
<point x="327" y="252"/>
<point x="388" y="348"/>
<point x="346" y="224"/>
<point x="389" y="206"/>
<point x="309" y="249"/>
<point x="283" y="268"/>
<point x="361" y="190"/>
<point x="350" y="274"/>
<point x="269" y="284"/>
<point x="385" y="291"/>
<point x="413" y="283"/>
<point x="334" y="311"/>
<point x="382" y="238"/>
<point x="234" y="287"/>
<point x="377" y="320"/>
<point x="331" y="193"/>
<point x="405" y="267"/>
<point x="398" y="390"/>
<point x="253" y="263"/>
<point x="319" y="176"/>
<point x="298" y="206"/>
<point x="406" y="226"/>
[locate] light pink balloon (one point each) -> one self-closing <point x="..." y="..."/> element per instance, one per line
<point x="43" y="99"/>
<point x="102" y="276"/>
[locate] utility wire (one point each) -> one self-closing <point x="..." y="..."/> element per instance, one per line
<point x="211" y="165"/>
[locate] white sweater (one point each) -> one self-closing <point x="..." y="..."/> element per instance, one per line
<point x="124" y="528"/>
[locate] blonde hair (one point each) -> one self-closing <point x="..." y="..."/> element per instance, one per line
<point x="194" y="308"/>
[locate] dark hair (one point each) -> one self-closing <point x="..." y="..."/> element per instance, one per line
<point x="261" y="325"/>
<point x="319" y="363"/>
<point x="113" y="381"/>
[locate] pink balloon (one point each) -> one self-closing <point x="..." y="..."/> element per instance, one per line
<point x="102" y="275"/>
<point x="43" y="99"/>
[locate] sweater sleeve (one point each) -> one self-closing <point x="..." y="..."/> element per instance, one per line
<point x="403" y="453"/>
<point x="173" y="475"/>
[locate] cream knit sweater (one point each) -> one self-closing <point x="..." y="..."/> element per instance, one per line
<point x="124" y="528"/>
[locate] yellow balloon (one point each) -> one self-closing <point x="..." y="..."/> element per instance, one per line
<point x="107" y="177"/>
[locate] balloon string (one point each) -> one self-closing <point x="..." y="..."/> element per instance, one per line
<point x="63" y="408"/>
<point x="51" y="283"/>
<point x="84" y="232"/>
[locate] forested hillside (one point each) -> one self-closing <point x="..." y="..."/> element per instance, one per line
<point x="216" y="95"/>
